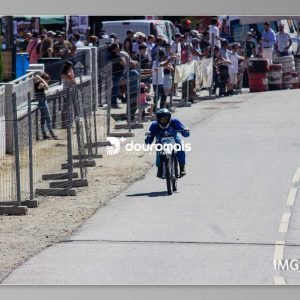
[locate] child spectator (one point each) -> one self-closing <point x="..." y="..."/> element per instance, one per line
<point x="142" y="102"/>
<point x="233" y="69"/>
<point x="216" y="71"/>
<point x="68" y="81"/>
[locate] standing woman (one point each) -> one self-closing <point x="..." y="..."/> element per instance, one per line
<point x="40" y="85"/>
<point x="168" y="69"/>
<point x="68" y="81"/>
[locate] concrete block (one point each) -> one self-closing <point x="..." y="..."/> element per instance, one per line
<point x="121" y="134"/>
<point x="118" y="117"/>
<point x="55" y="192"/>
<point x="85" y="164"/>
<point x="65" y="184"/>
<point x="30" y="203"/>
<point x="13" y="210"/>
<point x="98" y="144"/>
<point x="86" y="156"/>
<point x="133" y="126"/>
<point x="182" y="104"/>
<point x="57" y="176"/>
<point x="212" y="97"/>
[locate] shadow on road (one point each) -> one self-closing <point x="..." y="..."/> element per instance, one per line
<point x="152" y="194"/>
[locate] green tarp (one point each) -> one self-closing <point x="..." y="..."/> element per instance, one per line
<point x="45" y="20"/>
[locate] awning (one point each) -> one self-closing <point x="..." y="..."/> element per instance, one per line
<point x="45" y="20"/>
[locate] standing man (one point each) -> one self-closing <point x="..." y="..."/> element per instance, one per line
<point x="213" y="29"/>
<point x="128" y="44"/>
<point x="76" y="40"/>
<point x="283" y="41"/>
<point x="250" y="46"/>
<point x="118" y="67"/>
<point x="267" y="41"/>
<point x="176" y="49"/>
<point x="140" y="39"/>
<point x="33" y="48"/>
<point x="224" y="69"/>
<point x="62" y="48"/>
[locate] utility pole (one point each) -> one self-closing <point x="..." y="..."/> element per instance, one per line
<point x="10" y="43"/>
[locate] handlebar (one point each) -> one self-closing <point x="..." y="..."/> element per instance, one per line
<point x="148" y="133"/>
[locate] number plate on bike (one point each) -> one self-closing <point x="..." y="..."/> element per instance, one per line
<point x="168" y="140"/>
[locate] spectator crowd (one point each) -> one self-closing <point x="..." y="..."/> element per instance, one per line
<point x="145" y="65"/>
<point x="155" y="60"/>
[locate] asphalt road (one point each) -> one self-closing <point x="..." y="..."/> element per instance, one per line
<point x="236" y="211"/>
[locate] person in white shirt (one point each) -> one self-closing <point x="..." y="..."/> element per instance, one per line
<point x="150" y="44"/>
<point x="214" y="30"/>
<point x="140" y="39"/>
<point x="233" y="68"/>
<point x="176" y="47"/>
<point x="77" y="42"/>
<point x="283" y="41"/>
<point x="158" y="80"/>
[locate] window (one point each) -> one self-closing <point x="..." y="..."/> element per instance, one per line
<point x="162" y="30"/>
<point x="291" y="26"/>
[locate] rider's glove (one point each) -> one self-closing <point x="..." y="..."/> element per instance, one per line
<point x="149" y="140"/>
<point x="185" y="133"/>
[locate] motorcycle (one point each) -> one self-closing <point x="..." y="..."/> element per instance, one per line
<point x="169" y="161"/>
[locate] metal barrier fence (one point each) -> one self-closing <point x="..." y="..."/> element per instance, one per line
<point x="2" y="121"/>
<point x="27" y="160"/>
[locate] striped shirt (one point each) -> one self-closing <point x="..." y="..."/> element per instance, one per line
<point x="282" y="40"/>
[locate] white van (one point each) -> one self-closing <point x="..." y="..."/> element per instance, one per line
<point x="155" y="27"/>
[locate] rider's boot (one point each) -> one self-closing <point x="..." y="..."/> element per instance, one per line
<point x="159" y="172"/>
<point x="182" y="169"/>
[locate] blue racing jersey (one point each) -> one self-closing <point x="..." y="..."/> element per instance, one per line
<point x="158" y="132"/>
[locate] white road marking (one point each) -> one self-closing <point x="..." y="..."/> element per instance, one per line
<point x="279" y="280"/>
<point x="296" y="178"/>
<point x="285" y="220"/>
<point x="291" y="197"/>
<point x="278" y="253"/>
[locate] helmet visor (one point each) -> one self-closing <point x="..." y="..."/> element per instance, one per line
<point x="164" y="120"/>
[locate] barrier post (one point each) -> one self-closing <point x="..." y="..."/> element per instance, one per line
<point x="128" y="95"/>
<point x="108" y="85"/>
<point x="69" y="141"/>
<point x="16" y="148"/>
<point x="30" y="147"/>
<point x="212" y="53"/>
